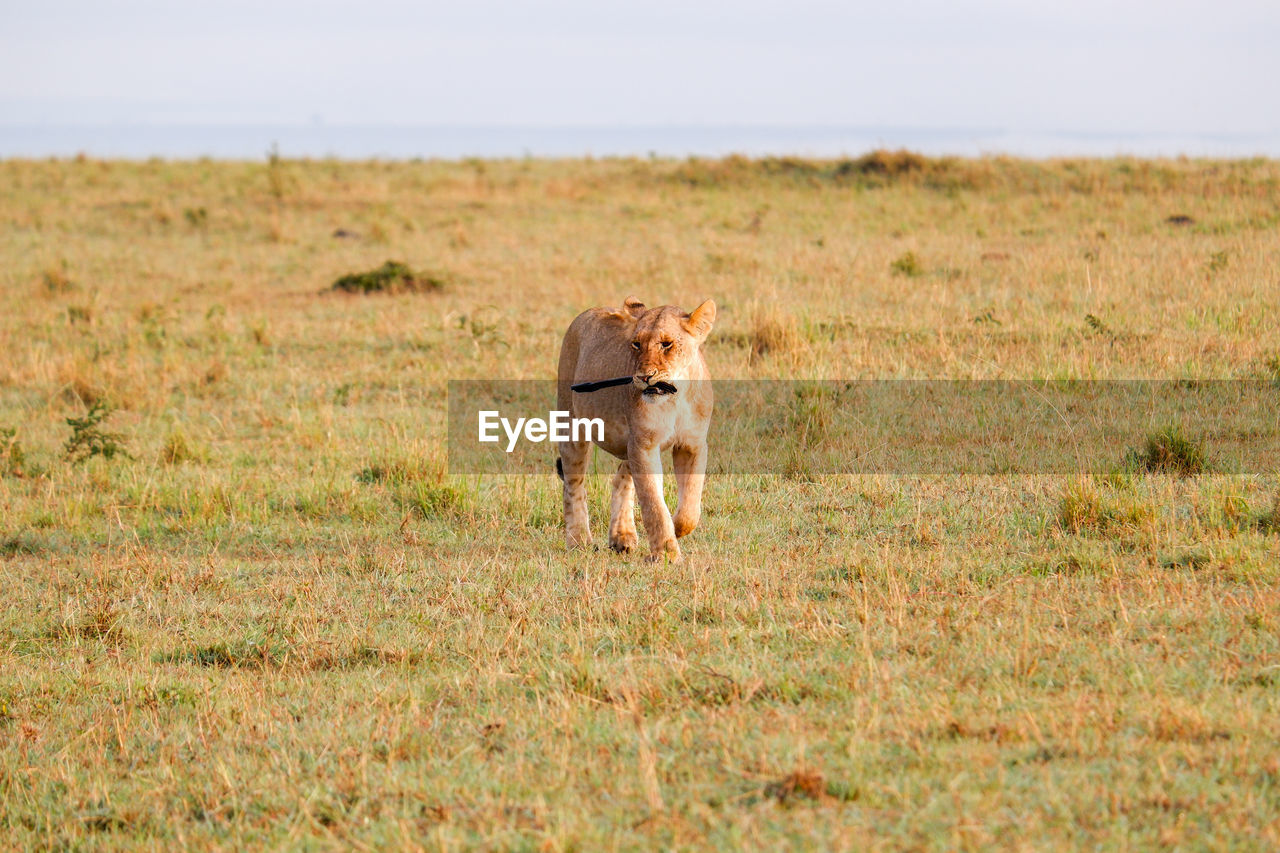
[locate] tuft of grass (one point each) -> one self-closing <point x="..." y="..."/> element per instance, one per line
<point x="435" y="500"/>
<point x="23" y="542"/>
<point x="259" y="654"/>
<point x="1080" y="508"/>
<point x="179" y="448"/>
<point x="55" y="280"/>
<point x="397" y="472"/>
<point x="1083" y="509"/>
<point x="1193" y="559"/>
<point x="801" y="784"/>
<point x="907" y="264"/>
<point x="1269" y="522"/>
<point x="277" y="179"/>
<point x="1271" y="364"/>
<point x="102" y="620"/>
<point x="887" y="164"/>
<point x="772" y="332"/>
<point x="876" y="169"/>
<point x="89" y="439"/>
<point x="1169" y="451"/>
<point x="12" y="457"/>
<point x="79" y="314"/>
<point x="1217" y="262"/>
<point x="392" y="277"/>
<point x="1071" y="563"/>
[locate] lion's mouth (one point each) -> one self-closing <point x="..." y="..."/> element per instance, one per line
<point x="658" y="389"/>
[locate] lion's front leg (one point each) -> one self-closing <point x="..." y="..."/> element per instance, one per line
<point x="646" y="473"/>
<point x="691" y="468"/>
<point x="622" y="515"/>
<point x="573" y="467"/>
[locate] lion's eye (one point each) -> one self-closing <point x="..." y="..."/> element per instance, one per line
<point x="635" y="345"/>
<point x="666" y="344"/>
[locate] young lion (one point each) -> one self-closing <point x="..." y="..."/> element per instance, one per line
<point x="667" y="406"/>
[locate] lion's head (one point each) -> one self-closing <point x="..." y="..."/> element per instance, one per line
<point x="666" y="341"/>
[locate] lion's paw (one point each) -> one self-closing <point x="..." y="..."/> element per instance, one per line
<point x="624" y="543"/>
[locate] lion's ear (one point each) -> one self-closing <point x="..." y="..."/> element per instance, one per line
<point x="699" y="322"/>
<point x="633" y="306"/>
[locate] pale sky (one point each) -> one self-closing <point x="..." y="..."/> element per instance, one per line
<point x="1173" y="66"/>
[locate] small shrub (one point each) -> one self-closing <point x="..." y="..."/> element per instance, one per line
<point x="1099" y="326"/>
<point x="88" y="438"/>
<point x="391" y="277"/>
<point x="908" y="265"/>
<point x="876" y="169"/>
<point x="12" y="458"/>
<point x="888" y="164"/>
<point x="1169" y="452"/>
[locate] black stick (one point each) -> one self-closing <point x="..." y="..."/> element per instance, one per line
<point x="587" y="387"/>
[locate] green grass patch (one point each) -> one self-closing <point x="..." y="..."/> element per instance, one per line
<point x="392" y="277"/>
<point x="907" y="264"/>
<point x="1169" y="451"/>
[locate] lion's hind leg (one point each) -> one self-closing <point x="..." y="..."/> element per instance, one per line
<point x="622" y="515"/>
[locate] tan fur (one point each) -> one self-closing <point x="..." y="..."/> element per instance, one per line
<point x="602" y="344"/>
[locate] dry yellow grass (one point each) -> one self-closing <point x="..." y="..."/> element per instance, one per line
<point x="281" y="622"/>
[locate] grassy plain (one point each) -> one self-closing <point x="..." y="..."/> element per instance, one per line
<point x="275" y="620"/>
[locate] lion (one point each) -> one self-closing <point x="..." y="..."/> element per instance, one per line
<point x="666" y="406"/>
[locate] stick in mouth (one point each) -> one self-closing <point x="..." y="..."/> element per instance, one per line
<point x="653" y="390"/>
<point x="588" y="387"/>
